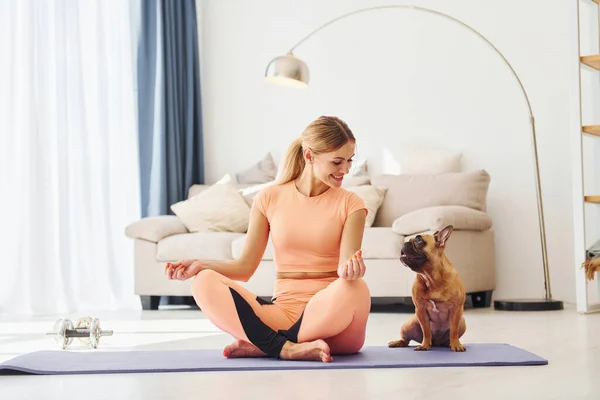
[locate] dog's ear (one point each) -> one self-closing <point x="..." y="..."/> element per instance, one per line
<point x="442" y="236"/>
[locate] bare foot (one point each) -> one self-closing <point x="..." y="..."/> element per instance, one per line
<point x="241" y="348"/>
<point x="310" y="351"/>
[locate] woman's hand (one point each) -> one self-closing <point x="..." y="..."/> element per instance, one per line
<point x="183" y="269"/>
<point x="352" y="269"/>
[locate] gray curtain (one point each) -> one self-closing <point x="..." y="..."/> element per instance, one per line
<point x="169" y="114"/>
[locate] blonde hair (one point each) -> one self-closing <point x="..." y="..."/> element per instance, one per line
<point x="323" y="135"/>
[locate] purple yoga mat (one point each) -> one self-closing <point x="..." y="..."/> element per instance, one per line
<point x="107" y="362"/>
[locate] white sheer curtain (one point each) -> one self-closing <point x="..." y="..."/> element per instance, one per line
<point x="68" y="156"/>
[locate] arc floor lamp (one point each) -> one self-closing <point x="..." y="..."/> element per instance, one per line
<point x="288" y="70"/>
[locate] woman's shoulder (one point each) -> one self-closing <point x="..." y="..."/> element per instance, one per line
<point x="347" y="194"/>
<point x="272" y="190"/>
<point x="351" y="200"/>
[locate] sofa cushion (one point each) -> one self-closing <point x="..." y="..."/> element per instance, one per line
<point x="262" y="172"/>
<point x="195" y="189"/>
<point x="200" y="245"/>
<point x="377" y="243"/>
<point x="155" y="228"/>
<point x="238" y="244"/>
<point x="372" y="196"/>
<point x="247" y="190"/>
<point x="408" y="193"/>
<point x="437" y="217"/>
<point x="381" y="243"/>
<point x="219" y="208"/>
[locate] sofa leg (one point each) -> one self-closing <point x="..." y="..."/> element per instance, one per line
<point x="481" y="299"/>
<point x="150" y="302"/>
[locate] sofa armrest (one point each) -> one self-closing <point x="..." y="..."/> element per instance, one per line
<point x="435" y="218"/>
<point x="153" y="229"/>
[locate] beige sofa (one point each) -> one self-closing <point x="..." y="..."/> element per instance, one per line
<point x="412" y="204"/>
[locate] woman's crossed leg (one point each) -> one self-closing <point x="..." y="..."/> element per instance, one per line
<point x="333" y="322"/>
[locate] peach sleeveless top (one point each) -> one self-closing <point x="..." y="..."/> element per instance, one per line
<point x="306" y="231"/>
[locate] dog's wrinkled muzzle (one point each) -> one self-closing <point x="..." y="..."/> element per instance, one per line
<point x="411" y="257"/>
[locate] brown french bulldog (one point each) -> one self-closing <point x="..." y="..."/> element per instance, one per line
<point x="437" y="293"/>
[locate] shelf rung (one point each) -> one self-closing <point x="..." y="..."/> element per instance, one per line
<point x="592" y="129"/>
<point x="597" y="1"/>
<point x="592" y="199"/>
<point x="592" y="61"/>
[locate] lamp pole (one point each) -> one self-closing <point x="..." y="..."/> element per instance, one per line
<point x="291" y="71"/>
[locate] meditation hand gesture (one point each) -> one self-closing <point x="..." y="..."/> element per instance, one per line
<point x="183" y="269"/>
<point x="352" y="269"/>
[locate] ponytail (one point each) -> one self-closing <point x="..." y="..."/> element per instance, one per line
<point x="293" y="163"/>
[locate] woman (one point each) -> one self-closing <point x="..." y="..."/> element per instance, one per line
<point x="321" y="303"/>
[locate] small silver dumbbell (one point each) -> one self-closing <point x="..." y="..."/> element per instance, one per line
<point x="87" y="330"/>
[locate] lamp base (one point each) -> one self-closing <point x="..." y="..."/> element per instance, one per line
<point x="528" y="305"/>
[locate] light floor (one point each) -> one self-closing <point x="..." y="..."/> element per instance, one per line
<point x="571" y="343"/>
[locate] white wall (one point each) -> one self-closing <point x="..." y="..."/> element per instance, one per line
<point x="401" y="75"/>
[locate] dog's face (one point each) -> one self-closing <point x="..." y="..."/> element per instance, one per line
<point x="425" y="251"/>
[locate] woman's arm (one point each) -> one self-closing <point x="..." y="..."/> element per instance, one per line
<point x="351" y="267"/>
<point x="240" y="269"/>
<point x="254" y="246"/>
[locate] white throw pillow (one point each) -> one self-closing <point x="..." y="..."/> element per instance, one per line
<point x="373" y="198"/>
<point x="417" y="159"/>
<point x="219" y="208"/>
<point x="437" y="217"/>
<point x="262" y="172"/>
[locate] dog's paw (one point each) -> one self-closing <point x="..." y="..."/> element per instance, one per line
<point x="398" y="343"/>
<point x="422" y="348"/>
<point x="457" y="347"/>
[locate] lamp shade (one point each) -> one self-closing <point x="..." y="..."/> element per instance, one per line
<point x="287" y="71"/>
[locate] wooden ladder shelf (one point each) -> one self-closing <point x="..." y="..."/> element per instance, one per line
<point x="592" y="199"/>
<point x="584" y="304"/>
<point x="592" y="61"/>
<point x="592" y="129"/>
